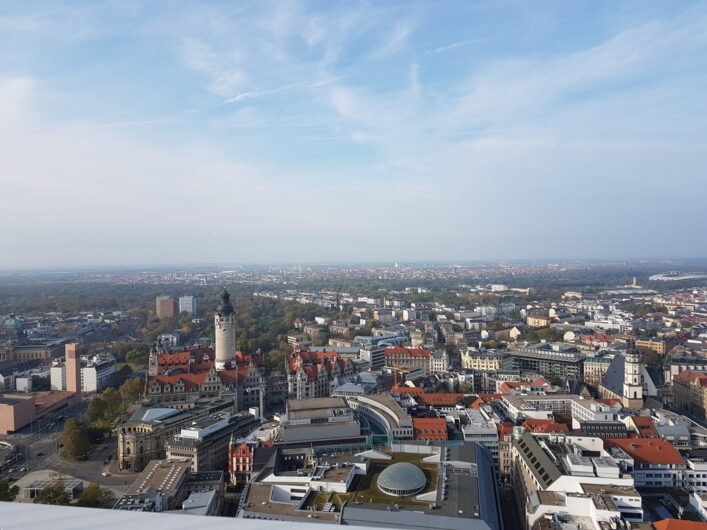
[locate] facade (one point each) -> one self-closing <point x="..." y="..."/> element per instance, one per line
<point x="690" y="393"/>
<point x="143" y="437"/>
<point x="491" y="360"/>
<point x="205" y="442"/>
<point x="96" y="376"/>
<point x="225" y="330"/>
<point x="187" y="304"/>
<point x="439" y="361"/>
<point x="410" y="358"/>
<point x="595" y="369"/>
<point x="165" y="307"/>
<point x="314" y="374"/>
<point x="551" y="360"/>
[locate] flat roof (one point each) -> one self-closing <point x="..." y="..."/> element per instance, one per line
<point x="258" y="500"/>
<point x="163" y="475"/>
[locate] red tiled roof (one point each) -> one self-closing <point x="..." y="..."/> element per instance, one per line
<point x="402" y="389"/>
<point x="691" y="377"/>
<point x="544" y="426"/>
<point x="410" y="352"/>
<point x="440" y="399"/>
<point x="610" y="402"/>
<point x="679" y="524"/>
<point x="647" y="450"/>
<point x="645" y="426"/>
<point x="430" y="428"/>
<point x="508" y="385"/>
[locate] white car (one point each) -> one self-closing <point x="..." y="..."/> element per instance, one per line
<point x="105" y="474"/>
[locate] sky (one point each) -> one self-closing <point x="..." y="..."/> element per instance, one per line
<point x="340" y="131"/>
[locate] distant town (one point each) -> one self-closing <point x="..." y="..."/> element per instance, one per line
<point x="489" y="396"/>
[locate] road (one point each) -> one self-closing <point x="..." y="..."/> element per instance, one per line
<point x="38" y="446"/>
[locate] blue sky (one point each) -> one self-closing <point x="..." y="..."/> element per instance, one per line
<point x="185" y="132"/>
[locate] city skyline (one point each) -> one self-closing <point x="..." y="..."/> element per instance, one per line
<point x="331" y="132"/>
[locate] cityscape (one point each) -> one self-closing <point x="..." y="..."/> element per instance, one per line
<point x="380" y="264"/>
<point x="436" y="401"/>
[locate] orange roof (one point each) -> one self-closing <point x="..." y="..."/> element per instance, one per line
<point x="679" y="524"/>
<point x="544" y="426"/>
<point x="508" y="385"/>
<point x="691" y="377"/>
<point x="646" y="427"/>
<point x="610" y="402"/>
<point x="647" y="450"/>
<point x="402" y="389"/>
<point x="410" y="352"/>
<point x="440" y="399"/>
<point x="540" y="382"/>
<point x="430" y="428"/>
<point x="505" y="429"/>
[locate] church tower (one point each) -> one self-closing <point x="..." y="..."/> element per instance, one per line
<point x="225" y="325"/>
<point x="633" y="380"/>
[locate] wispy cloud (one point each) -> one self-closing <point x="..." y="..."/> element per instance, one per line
<point x="455" y="45"/>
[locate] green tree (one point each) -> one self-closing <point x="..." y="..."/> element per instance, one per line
<point x="94" y="497"/>
<point x="76" y="440"/>
<point x="114" y="401"/>
<point x="132" y="389"/>
<point x="97" y="409"/>
<point x="8" y="493"/>
<point x="55" y="494"/>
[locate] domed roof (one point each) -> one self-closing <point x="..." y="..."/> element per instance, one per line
<point x="402" y="477"/>
<point x="12" y="323"/>
<point x="225" y="308"/>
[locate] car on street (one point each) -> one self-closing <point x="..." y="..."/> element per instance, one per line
<point x="105" y="474"/>
<point x="40" y="454"/>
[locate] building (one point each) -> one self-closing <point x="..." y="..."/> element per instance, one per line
<point x="439" y="361"/>
<point x="690" y="393"/>
<point x="225" y="331"/>
<point x="557" y="361"/>
<point x="166" y="477"/>
<point x="96" y="375"/>
<point x="375" y="355"/>
<point x="73" y="369"/>
<point x="144" y="435"/>
<point x="570" y="475"/>
<point x="314" y="374"/>
<point x="651" y="462"/>
<point x="166" y="307"/>
<point x="72" y="487"/>
<point x="187" y="304"/>
<point x="595" y="368"/>
<point x="430" y="428"/>
<point x="628" y="380"/>
<point x="488" y="360"/>
<point x="318" y="421"/>
<point x="384" y="414"/>
<point x="410" y="358"/>
<point x="205" y="441"/>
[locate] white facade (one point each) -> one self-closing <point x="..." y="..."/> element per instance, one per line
<point x="590" y="410"/>
<point x="57" y="377"/>
<point x="225" y="339"/>
<point x="187" y="304"/>
<point x="633" y="386"/>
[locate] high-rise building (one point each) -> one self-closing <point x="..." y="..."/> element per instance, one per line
<point x="165" y="307"/>
<point x="187" y="304"/>
<point x="225" y="331"/>
<point x="73" y="369"/>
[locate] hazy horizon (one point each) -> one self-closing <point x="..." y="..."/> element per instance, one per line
<point x="146" y="134"/>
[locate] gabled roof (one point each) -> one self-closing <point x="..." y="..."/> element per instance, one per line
<point x="440" y="399"/>
<point x="544" y="426"/>
<point x="411" y="352"/>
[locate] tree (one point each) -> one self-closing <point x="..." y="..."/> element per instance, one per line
<point x="94" y="497"/>
<point x="132" y="389"/>
<point x="8" y="493"/>
<point x="114" y="401"/>
<point x="55" y="494"/>
<point x="76" y="440"/>
<point x="97" y="409"/>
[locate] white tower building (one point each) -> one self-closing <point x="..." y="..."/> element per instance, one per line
<point x="633" y="380"/>
<point x="225" y="324"/>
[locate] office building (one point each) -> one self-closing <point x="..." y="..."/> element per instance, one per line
<point x="187" y="304"/>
